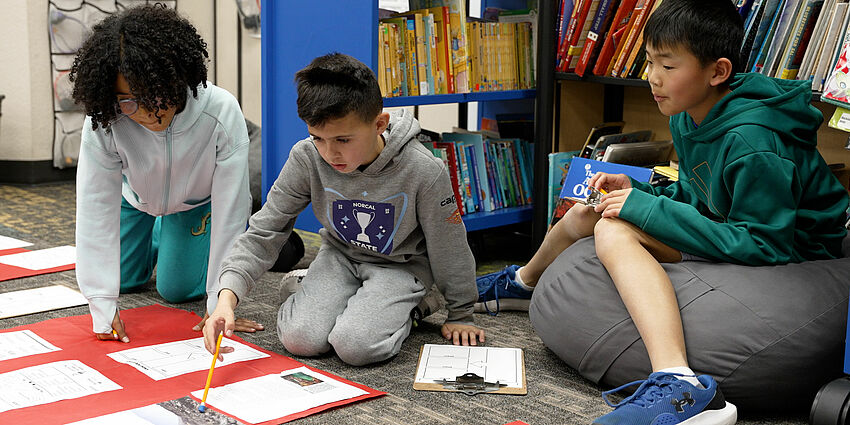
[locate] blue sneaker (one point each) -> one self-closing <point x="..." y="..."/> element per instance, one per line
<point x="664" y="399"/>
<point x="499" y="291"/>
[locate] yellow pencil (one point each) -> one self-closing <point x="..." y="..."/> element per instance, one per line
<point x="203" y="407"/>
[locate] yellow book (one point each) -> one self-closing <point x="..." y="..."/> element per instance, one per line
<point x="381" y="71"/>
<point x="457" y="29"/>
<point x="444" y="64"/>
<point x="421" y="65"/>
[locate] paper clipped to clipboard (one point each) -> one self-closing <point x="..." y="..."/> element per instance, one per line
<point x="497" y="370"/>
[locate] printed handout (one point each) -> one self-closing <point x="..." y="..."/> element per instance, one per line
<point x="278" y="395"/>
<point x="175" y="358"/>
<point x="28" y="301"/>
<point x="50" y="382"/>
<point x="42" y="259"/>
<point x="11" y="243"/>
<point x="450" y="361"/>
<point x="23" y="343"/>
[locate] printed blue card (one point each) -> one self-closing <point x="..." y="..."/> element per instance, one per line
<point x="582" y="169"/>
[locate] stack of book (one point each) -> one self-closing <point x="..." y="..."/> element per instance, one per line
<point x="789" y="39"/>
<point x="435" y="49"/>
<point x="487" y="172"/>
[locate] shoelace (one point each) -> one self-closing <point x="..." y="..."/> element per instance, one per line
<point x="648" y="392"/>
<point x="502" y="274"/>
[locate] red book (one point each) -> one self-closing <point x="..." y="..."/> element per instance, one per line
<point x="618" y="25"/>
<point x="453" y="172"/>
<point x="629" y="43"/>
<point x="579" y="36"/>
<point x="573" y="30"/>
<point x="592" y="43"/>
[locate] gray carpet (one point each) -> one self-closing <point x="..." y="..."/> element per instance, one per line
<point x="44" y="215"/>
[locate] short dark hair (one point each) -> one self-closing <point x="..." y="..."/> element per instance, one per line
<point x="710" y="29"/>
<point x="158" y="52"/>
<point x="333" y="86"/>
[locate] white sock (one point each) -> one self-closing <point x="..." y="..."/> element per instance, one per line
<point x="684" y="370"/>
<point x="519" y="281"/>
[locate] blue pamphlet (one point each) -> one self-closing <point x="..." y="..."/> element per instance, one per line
<point x="582" y="169"/>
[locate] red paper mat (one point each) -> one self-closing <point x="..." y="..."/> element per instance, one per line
<point x="145" y="326"/>
<point x="8" y="272"/>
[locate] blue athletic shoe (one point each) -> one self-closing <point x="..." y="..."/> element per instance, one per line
<point x="499" y="291"/>
<point x="664" y="399"/>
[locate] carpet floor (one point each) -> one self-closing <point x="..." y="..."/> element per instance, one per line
<point x="44" y="215"/>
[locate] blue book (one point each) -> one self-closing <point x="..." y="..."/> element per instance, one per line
<point x="559" y="163"/>
<point x="476" y="140"/>
<point x="428" y="22"/>
<point x="582" y="169"/>
<point x="768" y="38"/>
<point x="473" y="177"/>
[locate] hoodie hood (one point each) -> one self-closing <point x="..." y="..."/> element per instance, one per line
<point x="782" y="106"/>
<point x="402" y="129"/>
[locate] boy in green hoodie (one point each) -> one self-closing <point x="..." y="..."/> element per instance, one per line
<point x="752" y="190"/>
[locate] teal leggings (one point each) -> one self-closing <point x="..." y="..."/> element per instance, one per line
<point x="177" y="244"/>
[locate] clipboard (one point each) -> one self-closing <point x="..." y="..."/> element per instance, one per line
<point x="442" y="364"/>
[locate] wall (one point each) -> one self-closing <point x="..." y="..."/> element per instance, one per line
<point x="26" y="126"/>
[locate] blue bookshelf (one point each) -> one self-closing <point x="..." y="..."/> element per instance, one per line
<point x="293" y="36"/>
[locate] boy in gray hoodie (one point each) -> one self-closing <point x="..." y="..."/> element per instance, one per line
<point x="391" y="228"/>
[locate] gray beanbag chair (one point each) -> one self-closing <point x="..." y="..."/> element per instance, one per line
<point x="771" y="336"/>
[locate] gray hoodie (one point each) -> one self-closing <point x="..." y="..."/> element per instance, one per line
<point x="399" y="211"/>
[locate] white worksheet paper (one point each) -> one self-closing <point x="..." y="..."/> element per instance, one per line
<point x="50" y="382"/>
<point x="148" y="415"/>
<point x="42" y="259"/>
<point x="23" y="343"/>
<point x="171" y="359"/>
<point x="277" y="395"/>
<point x="11" y="243"/>
<point x="28" y="301"/>
<point x="450" y="361"/>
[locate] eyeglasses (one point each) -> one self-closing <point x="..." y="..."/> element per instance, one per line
<point x="127" y="106"/>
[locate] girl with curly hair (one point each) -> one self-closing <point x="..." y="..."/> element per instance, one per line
<point x="162" y="178"/>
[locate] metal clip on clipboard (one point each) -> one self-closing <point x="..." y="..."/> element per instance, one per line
<point x="470" y="384"/>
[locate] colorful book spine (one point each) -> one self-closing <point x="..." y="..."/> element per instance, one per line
<point x="618" y="25"/>
<point x="592" y="43"/>
<point x="642" y="12"/>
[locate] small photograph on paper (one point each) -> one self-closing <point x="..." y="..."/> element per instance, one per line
<point x="23" y="343"/>
<point x="11" y="243"/>
<point x="42" y="259"/>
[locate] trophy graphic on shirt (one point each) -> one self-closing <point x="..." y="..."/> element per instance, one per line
<point x="363" y="220"/>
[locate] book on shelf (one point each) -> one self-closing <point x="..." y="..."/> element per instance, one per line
<point x="577" y="31"/>
<point x="801" y="35"/>
<point x="780" y="38"/>
<point x="559" y="164"/>
<point x="603" y="142"/>
<point x="596" y="132"/>
<point x="621" y="36"/>
<point x="615" y="30"/>
<point x="641" y="13"/>
<point x="592" y="43"/>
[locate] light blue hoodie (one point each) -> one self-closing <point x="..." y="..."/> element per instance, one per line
<point x="201" y="157"/>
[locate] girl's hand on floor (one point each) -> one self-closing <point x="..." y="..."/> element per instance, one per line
<point x="462" y="334"/>
<point x="117" y="334"/>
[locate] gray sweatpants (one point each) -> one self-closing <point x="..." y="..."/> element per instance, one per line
<point x="362" y="310"/>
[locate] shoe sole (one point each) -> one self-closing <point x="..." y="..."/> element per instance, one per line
<point x="505" y="304"/>
<point x="728" y="415"/>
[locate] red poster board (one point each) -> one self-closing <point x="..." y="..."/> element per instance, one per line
<point x="8" y="272"/>
<point x="146" y="326"/>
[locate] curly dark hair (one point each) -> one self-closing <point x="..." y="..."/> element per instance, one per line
<point x="159" y="53"/>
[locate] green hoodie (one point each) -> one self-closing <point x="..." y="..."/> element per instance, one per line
<point x="752" y="187"/>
